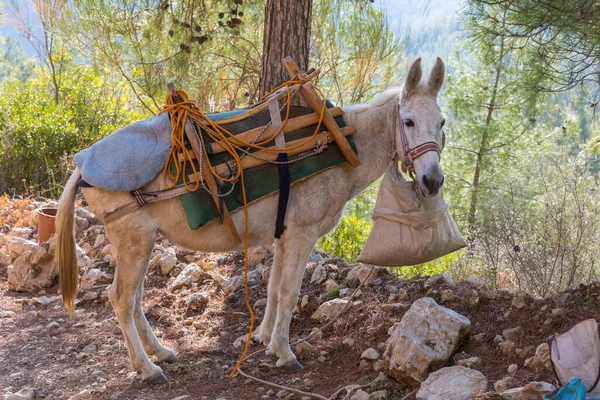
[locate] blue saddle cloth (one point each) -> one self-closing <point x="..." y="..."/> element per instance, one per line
<point x="128" y="158"/>
<point x="573" y="390"/>
<point x="133" y="156"/>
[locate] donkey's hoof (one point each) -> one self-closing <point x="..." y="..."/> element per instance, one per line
<point x="292" y="364"/>
<point x="168" y="358"/>
<point x="157" y="378"/>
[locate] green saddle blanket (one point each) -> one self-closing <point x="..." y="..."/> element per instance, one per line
<point x="263" y="179"/>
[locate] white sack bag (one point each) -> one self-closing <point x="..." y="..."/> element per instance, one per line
<point x="405" y="233"/>
<point x="577" y="353"/>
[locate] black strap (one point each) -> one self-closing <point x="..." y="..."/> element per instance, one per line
<point x="284" y="192"/>
<point x="83" y="183"/>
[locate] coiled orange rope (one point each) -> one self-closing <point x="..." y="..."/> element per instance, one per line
<point x="179" y="113"/>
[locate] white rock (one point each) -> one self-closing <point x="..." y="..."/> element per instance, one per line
<point x="89" y="296"/>
<point x="94" y="277"/>
<point x="504" y="384"/>
<point x="319" y="274"/>
<point x="83" y="395"/>
<point x="40" y="301"/>
<point x="167" y="261"/>
<point x="191" y="274"/>
<point x="18" y="246"/>
<point x="7" y="314"/>
<point x="348" y="342"/>
<point x="531" y="391"/>
<point x="330" y="309"/>
<point x="304" y="301"/>
<point x="32" y="271"/>
<point x="234" y="284"/>
<point x="100" y="239"/>
<point x="106" y="250"/>
<point x="360" y="395"/>
<point x="452" y="383"/>
<point x="361" y="274"/>
<point x="23" y="394"/>
<point x="520" y="300"/>
<point x="471" y="362"/>
<point x="24" y="233"/>
<point x="5" y="258"/>
<point x="439" y="279"/>
<point x="512" y="369"/>
<point x="3" y="239"/>
<point x="369" y="354"/>
<point x="424" y="340"/>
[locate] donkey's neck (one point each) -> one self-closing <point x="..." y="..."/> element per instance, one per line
<point x="374" y="140"/>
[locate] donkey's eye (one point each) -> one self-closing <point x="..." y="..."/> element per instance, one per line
<point x="443" y="123"/>
<point x="409" y="122"/>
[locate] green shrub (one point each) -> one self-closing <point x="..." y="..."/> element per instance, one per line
<point x="348" y="238"/>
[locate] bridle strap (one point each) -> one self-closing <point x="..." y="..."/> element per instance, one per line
<point x="411" y="154"/>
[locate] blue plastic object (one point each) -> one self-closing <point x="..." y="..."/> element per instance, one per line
<point x="573" y="390"/>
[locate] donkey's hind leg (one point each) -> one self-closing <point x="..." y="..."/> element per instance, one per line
<point x="150" y="342"/>
<point x="134" y="244"/>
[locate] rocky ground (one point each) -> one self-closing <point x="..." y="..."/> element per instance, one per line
<point x="393" y="336"/>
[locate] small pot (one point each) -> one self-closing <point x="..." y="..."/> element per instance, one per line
<point x="46" y="221"/>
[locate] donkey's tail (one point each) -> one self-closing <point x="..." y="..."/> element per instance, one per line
<point x="66" y="256"/>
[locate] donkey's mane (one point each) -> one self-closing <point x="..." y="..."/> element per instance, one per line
<point x="378" y="101"/>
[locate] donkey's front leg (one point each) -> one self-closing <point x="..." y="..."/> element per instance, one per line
<point x="297" y="247"/>
<point x="265" y="332"/>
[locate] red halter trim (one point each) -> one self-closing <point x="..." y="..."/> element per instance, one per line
<point x="412" y="154"/>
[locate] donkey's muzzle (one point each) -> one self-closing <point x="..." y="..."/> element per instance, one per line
<point x="432" y="183"/>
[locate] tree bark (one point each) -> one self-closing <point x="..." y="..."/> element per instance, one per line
<point x="287" y="33"/>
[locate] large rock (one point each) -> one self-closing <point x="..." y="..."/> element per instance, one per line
<point x="319" y="275"/>
<point x="439" y="279"/>
<point x="423" y="341"/>
<point x="531" y="391"/>
<point x="18" y="246"/>
<point x="5" y="258"/>
<point x="452" y="383"/>
<point x="191" y="274"/>
<point x="330" y="309"/>
<point x="23" y="394"/>
<point x="94" y="277"/>
<point x="361" y="274"/>
<point x="33" y="270"/>
<point x="166" y="261"/>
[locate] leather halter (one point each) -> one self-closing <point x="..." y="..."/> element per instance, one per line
<point x="411" y="154"/>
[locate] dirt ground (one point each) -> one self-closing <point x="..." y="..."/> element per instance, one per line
<point x="41" y="348"/>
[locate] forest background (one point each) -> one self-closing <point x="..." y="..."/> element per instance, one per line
<point x="522" y="88"/>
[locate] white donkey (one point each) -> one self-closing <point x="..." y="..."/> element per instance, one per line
<point x="315" y="207"/>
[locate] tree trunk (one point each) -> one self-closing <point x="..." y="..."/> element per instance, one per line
<point x="287" y="33"/>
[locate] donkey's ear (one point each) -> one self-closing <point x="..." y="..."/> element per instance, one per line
<point x="436" y="78"/>
<point x="414" y="77"/>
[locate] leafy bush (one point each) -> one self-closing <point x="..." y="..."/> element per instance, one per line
<point x="348" y="238"/>
<point x="38" y="135"/>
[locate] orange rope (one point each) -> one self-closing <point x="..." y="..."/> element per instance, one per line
<point x="180" y="112"/>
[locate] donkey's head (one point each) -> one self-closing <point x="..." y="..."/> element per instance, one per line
<point x="421" y="122"/>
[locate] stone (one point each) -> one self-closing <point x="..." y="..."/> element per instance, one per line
<point x="83" y="395"/>
<point x="319" y="274"/>
<point x="424" y="340"/>
<point x="41" y="301"/>
<point x="447" y="296"/>
<point x="478" y="284"/>
<point x="303" y="348"/>
<point x="5" y="258"/>
<point x="33" y="270"/>
<point x="331" y="308"/>
<point x="360" y="395"/>
<point x="89" y="349"/>
<point x="508" y="347"/>
<point x="84" y="213"/>
<point x="100" y="239"/>
<point x="304" y="301"/>
<point x="196" y="304"/>
<point x="369" y="354"/>
<point x="519" y="300"/>
<point x="361" y="274"/>
<point x="315" y="257"/>
<point x="256" y="256"/>
<point x="94" y="277"/>
<point x="452" y="383"/>
<point x="330" y="285"/>
<point x="531" y="391"/>
<point x="23" y="233"/>
<point x="379" y="395"/>
<point x="191" y="274"/>
<point x="23" y="394"/>
<point x="512" y="369"/>
<point x="438" y="279"/>
<point x="513" y="334"/>
<point x="90" y="296"/>
<point x="348" y="342"/>
<point x="508" y="382"/>
<point x="166" y="261"/>
<point x="7" y="314"/>
<point x="233" y="285"/>
<point x="471" y="362"/>
<point x="401" y="295"/>
<point x="480" y="337"/>
<point x="260" y="303"/>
